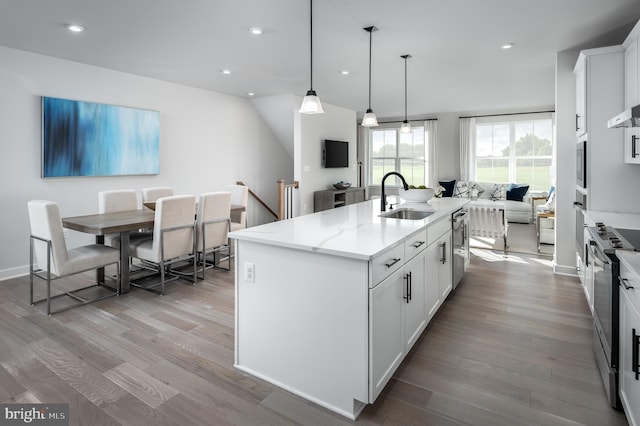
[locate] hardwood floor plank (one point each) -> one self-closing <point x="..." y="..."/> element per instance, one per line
<point x="75" y="372"/>
<point x="512" y="345"/>
<point x="141" y="385"/>
<point x="46" y="387"/>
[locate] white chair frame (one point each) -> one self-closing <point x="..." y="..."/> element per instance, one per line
<point x="47" y="276"/>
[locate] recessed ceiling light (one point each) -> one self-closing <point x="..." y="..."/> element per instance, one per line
<point x="507" y="46"/>
<point x="75" y="28"/>
<point x="256" y="30"/>
<point x="226" y="72"/>
<point x="250" y="94"/>
<point x="345" y="72"/>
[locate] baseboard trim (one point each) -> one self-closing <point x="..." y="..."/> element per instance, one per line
<point x="565" y="270"/>
<point x="7" y="274"/>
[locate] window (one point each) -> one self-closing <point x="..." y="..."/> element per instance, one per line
<point x="515" y="150"/>
<point x="406" y="153"/>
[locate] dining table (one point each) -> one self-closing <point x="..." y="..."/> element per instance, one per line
<point x="122" y="223"/>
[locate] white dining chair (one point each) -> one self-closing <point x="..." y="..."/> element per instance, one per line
<point x="53" y="260"/>
<point x="152" y="194"/>
<point x="239" y="197"/>
<point x="173" y="239"/>
<point x="212" y="229"/>
<point x="119" y="200"/>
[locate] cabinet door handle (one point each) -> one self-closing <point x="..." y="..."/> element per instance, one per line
<point x="410" y="285"/>
<point x="635" y="342"/>
<point x="625" y="283"/>
<point x="443" y="258"/>
<point x="464" y="233"/>
<point x="634" y="139"/>
<point x="393" y="262"/>
<point x="407" y="288"/>
<point x="586" y="256"/>
<point x="417" y="244"/>
<point x="577" y="126"/>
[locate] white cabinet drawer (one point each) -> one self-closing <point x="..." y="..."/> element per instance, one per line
<point x="415" y="244"/>
<point x="629" y="278"/>
<point x="386" y="263"/>
<point x="437" y="229"/>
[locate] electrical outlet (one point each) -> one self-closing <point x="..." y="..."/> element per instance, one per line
<point x="249" y="272"/>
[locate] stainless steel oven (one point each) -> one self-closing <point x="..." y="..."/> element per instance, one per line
<point x="581" y="164"/>
<point x="603" y="243"/>
<point x="460" y="228"/>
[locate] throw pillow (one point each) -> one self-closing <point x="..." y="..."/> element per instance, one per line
<point x="448" y="187"/>
<point x="517" y="192"/>
<point x="476" y="186"/>
<point x="499" y="192"/>
<point x="461" y="189"/>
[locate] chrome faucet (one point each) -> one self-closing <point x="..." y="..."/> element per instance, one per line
<point x="383" y="197"/>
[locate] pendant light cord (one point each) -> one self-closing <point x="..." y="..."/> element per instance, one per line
<point x="405" y="87"/>
<point x="370" y="37"/>
<point x="311" y="40"/>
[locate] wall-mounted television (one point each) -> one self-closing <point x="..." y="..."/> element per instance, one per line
<point x="89" y="139"/>
<point x="335" y="154"/>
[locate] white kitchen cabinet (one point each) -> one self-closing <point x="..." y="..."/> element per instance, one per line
<point x="415" y="310"/>
<point x="581" y="98"/>
<point x="445" y="279"/>
<point x="631" y="96"/>
<point x="603" y="73"/>
<point x="387" y="348"/>
<point x="398" y="318"/>
<point x="325" y="314"/>
<point x="629" y="370"/>
<point x="439" y="270"/>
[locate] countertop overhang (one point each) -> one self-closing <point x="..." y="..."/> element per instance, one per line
<point x="355" y="231"/>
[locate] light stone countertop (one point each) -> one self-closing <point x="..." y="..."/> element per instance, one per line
<point x="354" y="231"/>
<point x="615" y="219"/>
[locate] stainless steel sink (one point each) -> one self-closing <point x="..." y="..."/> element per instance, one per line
<point x="408" y="214"/>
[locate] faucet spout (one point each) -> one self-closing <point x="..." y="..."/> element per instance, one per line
<point x="383" y="197"/>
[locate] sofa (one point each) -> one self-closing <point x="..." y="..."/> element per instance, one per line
<point x="507" y="194"/>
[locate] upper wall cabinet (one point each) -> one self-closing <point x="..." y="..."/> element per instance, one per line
<point x="631" y="95"/>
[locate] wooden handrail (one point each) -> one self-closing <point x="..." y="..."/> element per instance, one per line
<point x="285" y="198"/>
<point x="254" y="195"/>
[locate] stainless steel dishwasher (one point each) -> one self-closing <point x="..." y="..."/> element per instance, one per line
<point x="460" y="235"/>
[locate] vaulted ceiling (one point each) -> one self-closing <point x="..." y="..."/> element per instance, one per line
<point x="457" y="63"/>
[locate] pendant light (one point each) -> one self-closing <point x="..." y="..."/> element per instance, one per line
<point x="405" y="127"/>
<point x="311" y="102"/>
<point x="369" y="119"/>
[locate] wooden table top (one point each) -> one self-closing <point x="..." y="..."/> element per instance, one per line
<point x="110" y="223"/>
<point x="234" y="208"/>
<point x="546" y="214"/>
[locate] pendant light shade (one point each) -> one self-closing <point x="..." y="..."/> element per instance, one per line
<point x="370" y="119"/>
<point x="405" y="127"/>
<point x="311" y="102"/>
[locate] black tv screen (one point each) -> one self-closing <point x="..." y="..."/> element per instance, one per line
<point x="335" y="154"/>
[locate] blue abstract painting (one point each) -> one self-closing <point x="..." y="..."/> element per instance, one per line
<point x="89" y="139"/>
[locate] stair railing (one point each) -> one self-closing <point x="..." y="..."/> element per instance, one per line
<point x="286" y="195"/>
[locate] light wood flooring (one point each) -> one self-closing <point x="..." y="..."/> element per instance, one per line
<point x="511" y="346"/>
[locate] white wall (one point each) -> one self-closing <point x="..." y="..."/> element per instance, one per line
<point x="207" y="140"/>
<point x="309" y="130"/>
<point x="565" y="252"/>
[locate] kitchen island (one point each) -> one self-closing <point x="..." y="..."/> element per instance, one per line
<point x="329" y="304"/>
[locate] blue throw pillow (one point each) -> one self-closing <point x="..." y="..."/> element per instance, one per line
<point x="448" y="187"/>
<point x="516" y="192"/>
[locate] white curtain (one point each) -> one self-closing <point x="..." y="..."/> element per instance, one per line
<point x="431" y="130"/>
<point x="467" y="149"/>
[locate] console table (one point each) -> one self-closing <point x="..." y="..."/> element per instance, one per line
<point x="332" y="198"/>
